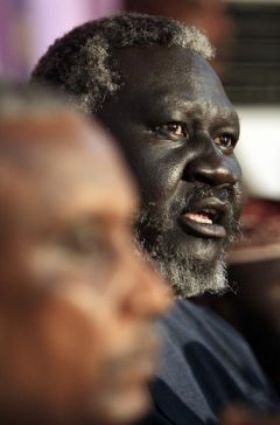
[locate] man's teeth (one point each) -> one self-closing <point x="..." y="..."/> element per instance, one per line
<point x="199" y="218"/>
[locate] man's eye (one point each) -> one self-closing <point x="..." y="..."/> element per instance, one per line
<point x="225" y="141"/>
<point x="175" y="130"/>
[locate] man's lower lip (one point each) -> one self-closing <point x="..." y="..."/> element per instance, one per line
<point x="203" y="229"/>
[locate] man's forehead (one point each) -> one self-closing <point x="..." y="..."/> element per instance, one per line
<point x="165" y="68"/>
<point x="57" y="195"/>
<point x="73" y="167"/>
<point x="134" y="60"/>
<point x="170" y="77"/>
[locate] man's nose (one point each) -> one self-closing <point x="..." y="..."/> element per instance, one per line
<point x="150" y="295"/>
<point x="212" y="166"/>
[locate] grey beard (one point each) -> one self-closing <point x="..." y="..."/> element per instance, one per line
<point x="189" y="280"/>
<point x="187" y="273"/>
<point x="187" y="276"/>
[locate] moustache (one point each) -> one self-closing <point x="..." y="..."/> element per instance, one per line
<point x="230" y="195"/>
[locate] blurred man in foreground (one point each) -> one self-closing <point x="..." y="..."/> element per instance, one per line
<point x="76" y="304"/>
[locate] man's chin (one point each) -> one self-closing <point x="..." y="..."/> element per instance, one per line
<point x="200" y="250"/>
<point x="193" y="264"/>
<point x="195" y="278"/>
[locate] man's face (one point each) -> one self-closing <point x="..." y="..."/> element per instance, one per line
<point x="77" y="304"/>
<point x="178" y="131"/>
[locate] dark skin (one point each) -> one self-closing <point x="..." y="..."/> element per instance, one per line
<point x="178" y="130"/>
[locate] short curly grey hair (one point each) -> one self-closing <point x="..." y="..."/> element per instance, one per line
<point x="83" y="62"/>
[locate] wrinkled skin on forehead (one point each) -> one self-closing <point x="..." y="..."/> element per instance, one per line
<point x="76" y="305"/>
<point x="178" y="131"/>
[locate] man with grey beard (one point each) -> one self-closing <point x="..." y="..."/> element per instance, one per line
<point x="148" y="80"/>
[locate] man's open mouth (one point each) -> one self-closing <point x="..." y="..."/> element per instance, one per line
<point x="206" y="218"/>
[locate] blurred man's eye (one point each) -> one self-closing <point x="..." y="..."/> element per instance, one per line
<point x="91" y="240"/>
<point x="84" y="238"/>
<point x="174" y="130"/>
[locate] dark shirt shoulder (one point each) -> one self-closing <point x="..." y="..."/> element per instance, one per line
<point x="205" y="365"/>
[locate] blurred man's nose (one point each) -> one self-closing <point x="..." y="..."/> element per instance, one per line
<point x="150" y="295"/>
<point x="213" y="167"/>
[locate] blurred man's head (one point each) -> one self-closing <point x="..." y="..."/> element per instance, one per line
<point x="76" y="303"/>
<point x="149" y="82"/>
